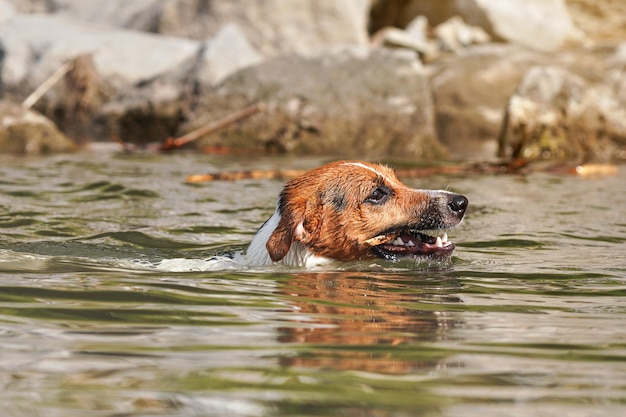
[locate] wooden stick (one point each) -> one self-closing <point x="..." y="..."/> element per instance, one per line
<point x="262" y="174"/>
<point x="39" y="92"/>
<point x="507" y="167"/>
<point x="175" y="143"/>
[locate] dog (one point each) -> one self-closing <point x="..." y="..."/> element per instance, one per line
<point x="350" y="211"/>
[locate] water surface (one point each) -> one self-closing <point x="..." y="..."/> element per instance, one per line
<point x="106" y="309"/>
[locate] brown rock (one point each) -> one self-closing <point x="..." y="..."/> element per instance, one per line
<point x="556" y="114"/>
<point x="28" y="132"/>
<point x="74" y="103"/>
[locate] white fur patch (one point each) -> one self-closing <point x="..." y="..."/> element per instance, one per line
<point x="298" y="255"/>
<point x="256" y="254"/>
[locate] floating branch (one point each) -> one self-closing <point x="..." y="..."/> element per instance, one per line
<point x="259" y="174"/>
<point x="517" y="166"/>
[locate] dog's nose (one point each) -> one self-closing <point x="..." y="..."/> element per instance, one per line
<point x="458" y="204"/>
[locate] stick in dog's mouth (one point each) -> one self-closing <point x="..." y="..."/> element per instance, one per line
<point x="411" y="243"/>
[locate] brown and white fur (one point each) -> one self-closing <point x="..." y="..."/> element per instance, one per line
<point x="350" y="210"/>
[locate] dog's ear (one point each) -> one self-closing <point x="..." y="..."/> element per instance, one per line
<point x="289" y="228"/>
<point x="294" y="225"/>
<point x="280" y="241"/>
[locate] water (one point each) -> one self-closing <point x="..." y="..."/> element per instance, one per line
<point x="105" y="309"/>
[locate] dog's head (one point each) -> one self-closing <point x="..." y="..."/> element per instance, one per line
<point x="355" y="210"/>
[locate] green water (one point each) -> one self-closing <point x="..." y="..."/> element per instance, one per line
<point x="106" y="309"/>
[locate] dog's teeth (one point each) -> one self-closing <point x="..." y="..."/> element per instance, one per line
<point x="410" y="243"/>
<point x="398" y="242"/>
<point x="439" y="243"/>
<point x="444" y="239"/>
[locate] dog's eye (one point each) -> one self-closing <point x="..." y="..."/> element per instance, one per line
<point x="378" y="196"/>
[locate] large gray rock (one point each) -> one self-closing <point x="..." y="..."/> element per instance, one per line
<point x="7" y="11"/>
<point x="36" y="45"/>
<point x="153" y="111"/>
<point x="273" y="26"/>
<point x="543" y="25"/>
<point x="345" y="101"/>
<point x="224" y="54"/>
<point x="28" y="132"/>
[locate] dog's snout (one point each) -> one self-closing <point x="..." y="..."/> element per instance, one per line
<point x="458" y="204"/>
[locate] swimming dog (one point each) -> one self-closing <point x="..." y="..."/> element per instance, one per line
<point x="351" y="210"/>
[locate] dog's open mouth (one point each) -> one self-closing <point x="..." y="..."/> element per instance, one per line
<point x="412" y="243"/>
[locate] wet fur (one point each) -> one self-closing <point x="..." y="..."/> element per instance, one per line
<point x="327" y="214"/>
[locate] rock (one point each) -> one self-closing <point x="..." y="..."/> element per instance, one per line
<point x="28" y="132"/>
<point x="146" y="114"/>
<point x="391" y="37"/>
<point x="454" y="34"/>
<point x="543" y="25"/>
<point x="136" y="14"/>
<point x="74" y="103"/>
<point x="153" y="111"/>
<point x="7" y="11"/>
<point x="224" y="54"/>
<point x="600" y="20"/>
<point x="146" y="79"/>
<point x="273" y="26"/>
<point x="450" y="36"/>
<point x="556" y="114"/>
<point x="321" y="97"/>
<point x="471" y="91"/>
<point x="36" y="45"/>
<point x="31" y="6"/>
<point x="345" y="101"/>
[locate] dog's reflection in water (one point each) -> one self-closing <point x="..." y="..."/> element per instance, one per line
<point x="354" y="321"/>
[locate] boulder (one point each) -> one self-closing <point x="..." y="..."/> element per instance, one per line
<point x="28" y="132"/>
<point x="153" y="111"/>
<point x="224" y="54"/>
<point x="471" y="90"/>
<point x="148" y="113"/>
<point x="36" y="45"/>
<point x="344" y="101"/>
<point x="556" y="114"/>
<point x="7" y="11"/>
<point x="31" y="6"/>
<point x="273" y="26"/>
<point x="599" y="20"/>
<point x="543" y="25"/>
<point x="74" y="103"/>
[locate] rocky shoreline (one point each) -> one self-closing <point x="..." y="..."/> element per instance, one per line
<point x="460" y="79"/>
